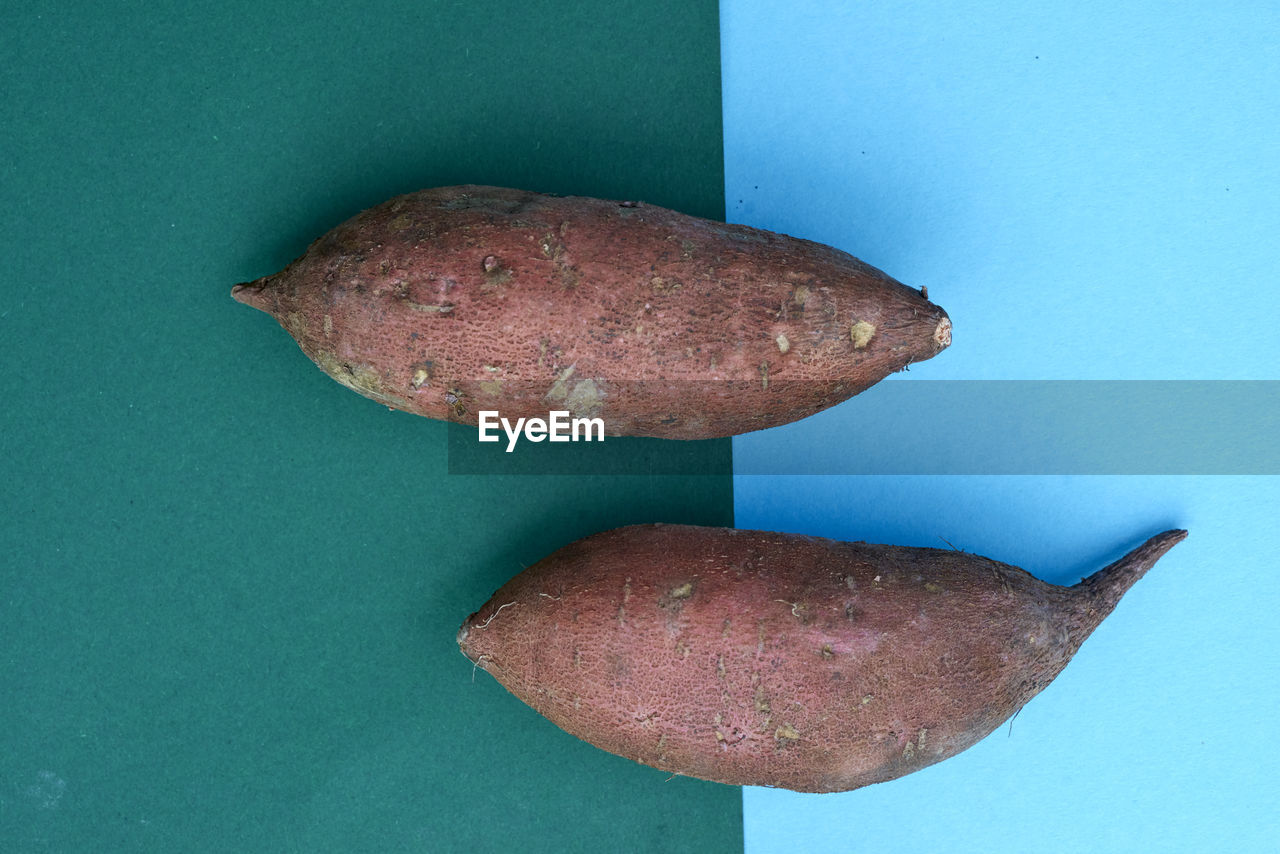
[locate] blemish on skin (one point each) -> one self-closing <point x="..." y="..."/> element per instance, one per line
<point x="684" y="591"/>
<point x="933" y="587"/>
<point x="442" y="308"/>
<point x="867" y="698"/>
<point x="786" y="731"/>
<point x="560" y="388"/>
<point x="783" y="344"/>
<point x="801" y="295"/>
<point x="715" y="723"/>
<point x="761" y="702"/>
<point x="495" y="274"/>
<point x="295" y="324"/>
<point x="942" y="334"/>
<point x="359" y="378"/>
<point x="328" y="325"/>
<point x="585" y="399"/>
<point x="861" y="334"/>
<point x="645" y="720"/>
<point x="764" y="376"/>
<point x="420" y="378"/>
<point x="626" y="597"/>
<point x="453" y="398"/>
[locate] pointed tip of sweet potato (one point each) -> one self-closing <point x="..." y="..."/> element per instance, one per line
<point x="251" y="294"/>
<point x="1101" y="591"/>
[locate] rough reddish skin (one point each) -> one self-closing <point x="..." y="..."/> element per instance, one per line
<point x="448" y="301"/>
<point x="754" y="658"/>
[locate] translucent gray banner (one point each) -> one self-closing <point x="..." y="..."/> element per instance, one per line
<point x="968" y="427"/>
<point x="1032" y="427"/>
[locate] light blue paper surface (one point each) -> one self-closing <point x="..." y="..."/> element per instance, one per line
<point x="1090" y="190"/>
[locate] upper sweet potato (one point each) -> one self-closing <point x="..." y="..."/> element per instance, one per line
<point x="452" y="300"/>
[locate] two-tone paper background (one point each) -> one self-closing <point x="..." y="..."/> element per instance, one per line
<point x="229" y="587"/>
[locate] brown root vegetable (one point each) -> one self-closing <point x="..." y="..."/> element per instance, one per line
<point x="450" y="301"/>
<point x="754" y="658"/>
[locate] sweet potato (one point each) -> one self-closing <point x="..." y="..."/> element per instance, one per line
<point x="450" y="301"/>
<point x="755" y="658"/>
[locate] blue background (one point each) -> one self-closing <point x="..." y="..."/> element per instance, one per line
<point x="1089" y="190"/>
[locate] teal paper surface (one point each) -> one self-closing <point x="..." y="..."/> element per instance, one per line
<point x="230" y="587"/>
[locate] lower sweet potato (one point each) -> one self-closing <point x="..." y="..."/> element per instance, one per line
<point x="755" y="658"/>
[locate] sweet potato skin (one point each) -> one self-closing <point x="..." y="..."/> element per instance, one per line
<point x="755" y="658"/>
<point x="454" y="300"/>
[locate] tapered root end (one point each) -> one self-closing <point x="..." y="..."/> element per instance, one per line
<point x="1103" y="589"/>
<point x="252" y="293"/>
<point x="463" y="645"/>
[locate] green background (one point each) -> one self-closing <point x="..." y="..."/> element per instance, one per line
<point x="230" y="586"/>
